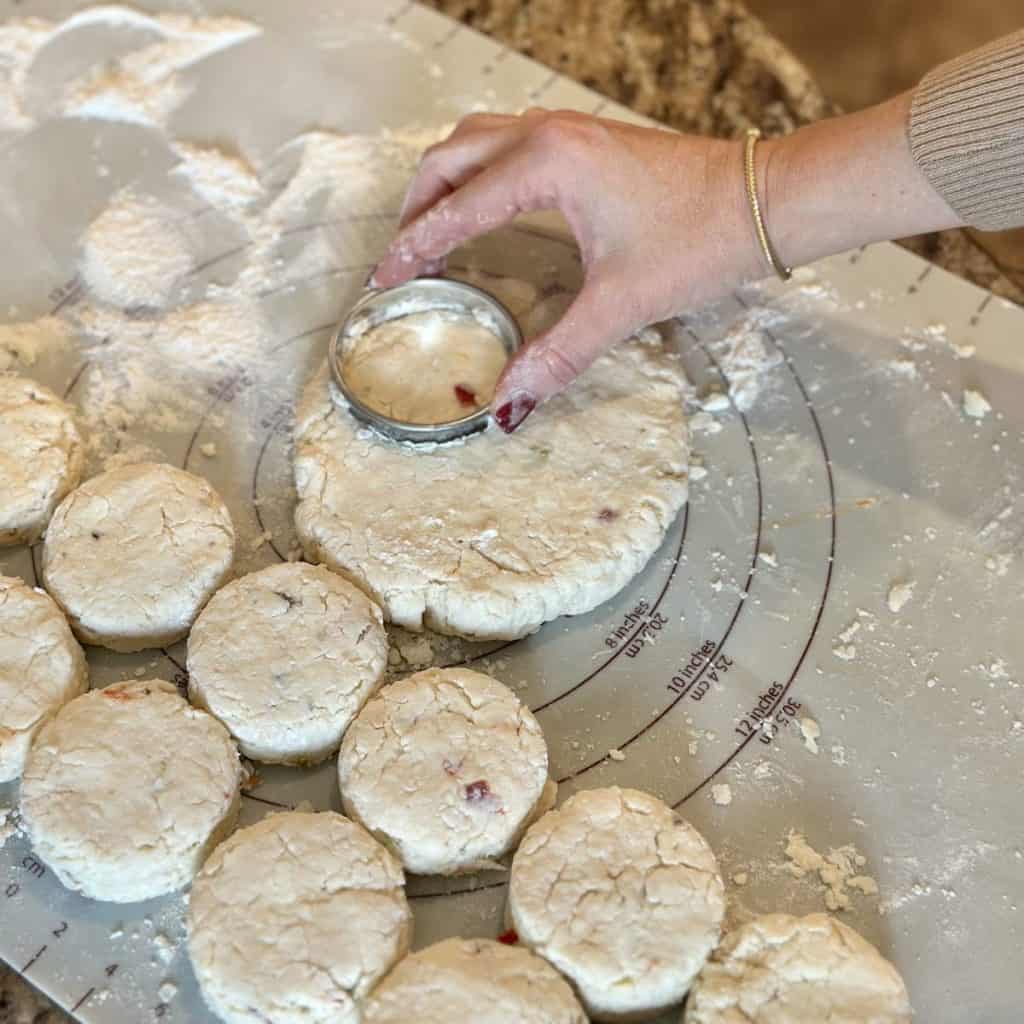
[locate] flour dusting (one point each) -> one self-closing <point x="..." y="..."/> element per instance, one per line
<point x="134" y="252"/>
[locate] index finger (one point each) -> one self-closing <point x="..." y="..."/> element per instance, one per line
<point x="516" y="183"/>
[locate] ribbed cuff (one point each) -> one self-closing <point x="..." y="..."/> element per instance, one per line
<point x="966" y="132"/>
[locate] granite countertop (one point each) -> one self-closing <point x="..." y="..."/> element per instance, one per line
<point x="703" y="66"/>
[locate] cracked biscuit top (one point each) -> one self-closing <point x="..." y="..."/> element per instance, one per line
<point x="285" y="657"/>
<point x="622" y="895"/>
<point x="127" y="790"/>
<point x="134" y="553"/>
<point x="447" y="766"/>
<point x="802" y="970"/>
<point x="295" y="919"/>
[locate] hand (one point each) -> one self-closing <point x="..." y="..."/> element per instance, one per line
<point x="660" y="219"/>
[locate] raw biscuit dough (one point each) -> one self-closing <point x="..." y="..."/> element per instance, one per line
<point x="285" y="657"/>
<point x="447" y="766"/>
<point x="493" y="535"/>
<point x="134" y="553"/>
<point x="430" y="367"/>
<point x="41" y="669"/>
<point x="294" y="919"/>
<point x="476" y="980"/>
<point x="623" y="896"/>
<point x="127" y="790"/>
<point x="41" y="456"/>
<point x="800" y="970"/>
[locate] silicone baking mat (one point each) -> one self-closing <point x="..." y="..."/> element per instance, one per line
<point x="854" y="470"/>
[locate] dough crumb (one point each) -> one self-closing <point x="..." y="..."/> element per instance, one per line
<point x="740" y="878"/>
<point x="715" y="401"/>
<point x="811" y="732"/>
<point x="845" y="652"/>
<point x="209" y="449"/>
<point x="163" y="945"/>
<point x="838" y="872"/>
<point x="616" y="755"/>
<point x="704" y="422"/>
<point x="260" y="540"/>
<point x="721" y="794"/>
<point x="999" y="565"/>
<point x="769" y="558"/>
<point x="697" y="472"/>
<point x="8" y="825"/>
<point x="899" y="595"/>
<point x="975" y="404"/>
<point x="167" y="991"/>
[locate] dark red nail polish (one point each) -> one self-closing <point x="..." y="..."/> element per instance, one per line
<point x="511" y="414"/>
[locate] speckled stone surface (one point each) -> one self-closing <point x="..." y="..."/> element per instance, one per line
<point x="705" y="66"/>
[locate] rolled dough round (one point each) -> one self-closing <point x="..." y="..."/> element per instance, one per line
<point x="294" y="919"/>
<point x="801" y="970"/>
<point x="285" y="657"/>
<point x="491" y="536"/>
<point x="128" y="789"/>
<point x="133" y="554"/>
<point x="622" y="896"/>
<point x="41" y="457"/>
<point x="447" y="766"/>
<point x="41" y="669"/>
<point x="476" y="980"/>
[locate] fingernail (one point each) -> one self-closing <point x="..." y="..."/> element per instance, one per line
<point x="371" y="280"/>
<point x="509" y="415"/>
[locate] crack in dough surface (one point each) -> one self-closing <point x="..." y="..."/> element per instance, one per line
<point x="285" y="658"/>
<point x="295" y="919"/>
<point x="620" y="894"/>
<point x="493" y="535"/>
<point x="41" y="458"/>
<point x="447" y="766"/>
<point x="134" y="553"/>
<point x="41" y="669"/>
<point x="798" y="970"/>
<point x="475" y="980"/>
<point x="127" y="790"/>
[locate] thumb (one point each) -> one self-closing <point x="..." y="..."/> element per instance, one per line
<point x="598" y="317"/>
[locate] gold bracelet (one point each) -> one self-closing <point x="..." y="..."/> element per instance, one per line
<point x="780" y="268"/>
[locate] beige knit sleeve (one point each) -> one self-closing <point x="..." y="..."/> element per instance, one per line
<point x="967" y="133"/>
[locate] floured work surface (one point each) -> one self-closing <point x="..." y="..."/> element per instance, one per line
<point x="847" y="569"/>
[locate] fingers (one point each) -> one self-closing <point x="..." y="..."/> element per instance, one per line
<point x="446" y="167"/>
<point x="476" y="141"/>
<point x="601" y="315"/>
<point x="517" y="182"/>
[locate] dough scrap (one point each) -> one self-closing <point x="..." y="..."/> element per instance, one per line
<point x="134" y="553"/>
<point x="285" y="658"/>
<point x="294" y="919"/>
<point x="622" y="896"/>
<point x="127" y="790"/>
<point x="493" y="535"/>
<point x="801" y="970"/>
<point x="447" y="766"/>
<point x="476" y="980"/>
<point x="41" y="669"/>
<point x="41" y="458"/>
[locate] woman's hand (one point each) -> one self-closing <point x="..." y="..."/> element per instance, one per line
<point x="660" y="219"/>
